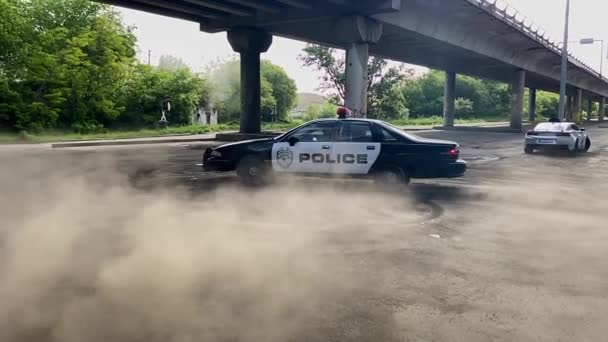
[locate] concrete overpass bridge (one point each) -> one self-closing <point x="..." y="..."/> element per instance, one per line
<point x="479" y="38"/>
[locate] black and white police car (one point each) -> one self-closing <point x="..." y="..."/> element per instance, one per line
<point x="344" y="146"/>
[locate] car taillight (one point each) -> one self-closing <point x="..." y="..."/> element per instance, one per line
<point x="454" y="152"/>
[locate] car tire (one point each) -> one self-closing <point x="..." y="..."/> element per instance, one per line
<point x="529" y="149"/>
<point x="392" y="178"/>
<point x="253" y="171"/>
<point x="587" y="145"/>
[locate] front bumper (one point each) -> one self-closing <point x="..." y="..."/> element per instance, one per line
<point x="216" y="164"/>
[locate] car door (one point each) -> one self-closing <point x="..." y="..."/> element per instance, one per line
<point x="354" y="149"/>
<point x="579" y="136"/>
<point x="305" y="150"/>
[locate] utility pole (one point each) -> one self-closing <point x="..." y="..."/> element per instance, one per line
<point x="149" y="56"/>
<point x="564" y="75"/>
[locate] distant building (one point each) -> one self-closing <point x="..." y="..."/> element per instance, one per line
<point x="306" y="100"/>
<point x="205" y="116"/>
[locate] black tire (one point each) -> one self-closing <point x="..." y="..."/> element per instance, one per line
<point x="253" y="171"/>
<point x="529" y="149"/>
<point x="587" y="145"/>
<point x="392" y="177"/>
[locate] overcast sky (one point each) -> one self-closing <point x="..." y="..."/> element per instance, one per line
<point x="183" y="39"/>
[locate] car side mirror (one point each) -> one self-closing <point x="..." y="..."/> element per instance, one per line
<point x="292" y="141"/>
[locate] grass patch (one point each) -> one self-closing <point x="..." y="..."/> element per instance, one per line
<point x="438" y="120"/>
<point x="55" y="136"/>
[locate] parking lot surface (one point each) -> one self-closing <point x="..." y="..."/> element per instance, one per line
<point x="131" y="243"/>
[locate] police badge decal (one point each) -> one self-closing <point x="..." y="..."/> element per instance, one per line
<point x="284" y="157"/>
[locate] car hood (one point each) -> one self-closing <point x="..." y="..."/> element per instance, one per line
<point x="244" y="143"/>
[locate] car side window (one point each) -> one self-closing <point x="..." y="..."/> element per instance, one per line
<point x="387" y="136"/>
<point x="575" y="127"/>
<point x="355" y="131"/>
<point x="315" y="132"/>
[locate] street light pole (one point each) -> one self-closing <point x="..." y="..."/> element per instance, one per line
<point x="564" y="74"/>
<point x="602" y="61"/>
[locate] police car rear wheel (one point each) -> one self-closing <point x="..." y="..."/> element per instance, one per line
<point x="391" y="177"/>
<point x="253" y="171"/>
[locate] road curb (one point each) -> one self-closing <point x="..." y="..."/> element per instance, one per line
<point x="128" y="142"/>
<point x="479" y="129"/>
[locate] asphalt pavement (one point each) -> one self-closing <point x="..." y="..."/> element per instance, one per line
<point x="513" y="251"/>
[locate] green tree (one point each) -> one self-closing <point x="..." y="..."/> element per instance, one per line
<point x="284" y="89"/>
<point x="315" y="111"/>
<point x="14" y="31"/>
<point x="464" y="107"/>
<point x="148" y="86"/>
<point x="73" y="59"/>
<point x="172" y="63"/>
<point x="547" y="104"/>
<point x="424" y="95"/>
<point x="277" y="90"/>
<point x="381" y="83"/>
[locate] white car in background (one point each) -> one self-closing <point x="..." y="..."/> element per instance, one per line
<point x="557" y="135"/>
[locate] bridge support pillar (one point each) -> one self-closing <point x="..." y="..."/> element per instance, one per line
<point x="532" y="105"/>
<point x="365" y="31"/>
<point x="517" y="98"/>
<point x="602" y="110"/>
<point x="250" y="43"/>
<point x="578" y="105"/>
<point x="589" y="109"/>
<point x="357" y="57"/>
<point x="569" y="109"/>
<point x="449" y="99"/>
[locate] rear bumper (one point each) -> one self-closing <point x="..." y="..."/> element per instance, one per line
<point x="548" y="147"/>
<point x="455" y="169"/>
<point x="452" y="169"/>
<point x="558" y="142"/>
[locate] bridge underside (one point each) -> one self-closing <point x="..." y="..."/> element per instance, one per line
<point x="461" y="36"/>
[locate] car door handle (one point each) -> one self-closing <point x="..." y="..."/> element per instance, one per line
<point x="371" y="147"/>
<point x="325" y="147"/>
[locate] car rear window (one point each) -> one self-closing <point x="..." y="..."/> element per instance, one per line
<point x="550" y="126"/>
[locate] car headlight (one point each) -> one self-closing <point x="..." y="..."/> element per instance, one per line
<point x="216" y="153"/>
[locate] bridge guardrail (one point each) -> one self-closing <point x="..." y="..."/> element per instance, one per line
<point x="510" y="15"/>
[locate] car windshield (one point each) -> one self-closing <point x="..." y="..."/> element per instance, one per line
<point x="552" y="126"/>
<point x="291" y="131"/>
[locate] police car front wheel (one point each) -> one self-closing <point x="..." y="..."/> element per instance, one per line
<point x="253" y="171"/>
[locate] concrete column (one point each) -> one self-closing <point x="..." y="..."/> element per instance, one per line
<point x="449" y="99"/>
<point x="589" y="109"/>
<point x="569" y="109"/>
<point x="357" y="57"/>
<point x="578" y="105"/>
<point x="250" y="43"/>
<point x="517" y="98"/>
<point x="362" y="31"/>
<point x="602" y="111"/>
<point x="532" y="105"/>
